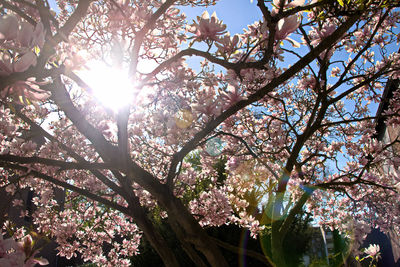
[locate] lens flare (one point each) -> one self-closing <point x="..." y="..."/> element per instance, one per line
<point x="184" y="118"/>
<point x="214" y="147"/>
<point x="111" y="86"/>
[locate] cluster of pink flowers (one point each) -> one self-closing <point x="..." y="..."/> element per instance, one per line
<point x="87" y="229"/>
<point x="19" y="253"/>
<point x="212" y="208"/>
<point x="207" y="28"/>
<point x="20" y="36"/>
<point x="227" y="45"/>
<point x="18" y="40"/>
<point x="289" y="24"/>
<point x="373" y="251"/>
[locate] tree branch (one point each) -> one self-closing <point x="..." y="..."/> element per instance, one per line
<point x="65" y="185"/>
<point x="105" y="180"/>
<point x="63" y="32"/>
<point x="18" y="11"/>
<point x="62" y="164"/>
<point x="290" y="72"/>
<point x="60" y="95"/>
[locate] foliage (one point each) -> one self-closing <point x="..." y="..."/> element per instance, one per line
<point x="296" y="243"/>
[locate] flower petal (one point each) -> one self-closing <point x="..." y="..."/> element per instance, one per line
<point x="39" y="35"/>
<point x="286" y="26"/>
<point x="41" y="261"/>
<point x="295" y="3"/>
<point x="25" y="62"/>
<point x="25" y="34"/>
<point x="8" y="27"/>
<point x="277" y="3"/>
<point x="5" y="65"/>
<point x="205" y="15"/>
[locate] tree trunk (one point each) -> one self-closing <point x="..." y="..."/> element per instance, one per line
<point x="159" y="244"/>
<point x="277" y="245"/>
<point x="191" y="230"/>
<point x="155" y="239"/>
<point x="187" y="247"/>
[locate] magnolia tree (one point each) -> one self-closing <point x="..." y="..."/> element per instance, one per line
<point x="100" y="100"/>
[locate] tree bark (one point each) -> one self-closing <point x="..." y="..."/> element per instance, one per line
<point x="187" y="247"/>
<point x="158" y="243"/>
<point x="191" y="230"/>
<point x="155" y="239"/>
<point x="5" y="203"/>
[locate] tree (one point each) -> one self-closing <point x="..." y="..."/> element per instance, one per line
<point x="288" y="103"/>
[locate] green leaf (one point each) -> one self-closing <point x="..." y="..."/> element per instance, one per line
<point x="341" y="3"/>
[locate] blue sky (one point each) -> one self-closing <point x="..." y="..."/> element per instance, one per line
<point x="53" y="4"/>
<point x="237" y="14"/>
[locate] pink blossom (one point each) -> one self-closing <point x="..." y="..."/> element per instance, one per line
<point x="26" y="90"/>
<point x="29" y="36"/>
<point x="318" y="35"/>
<point x="289" y="24"/>
<point x="213" y="207"/>
<point x="18" y="202"/>
<point x="209" y="107"/>
<point x="8" y="67"/>
<point x="20" y="36"/>
<point x="227" y="44"/>
<point x="373" y="250"/>
<point x="8" y="27"/>
<point x="15" y="254"/>
<point x="18" y="41"/>
<point x="232" y="95"/>
<point x="397" y="187"/>
<point x="208" y="28"/>
<point x="27" y="60"/>
<point x="292" y="4"/>
<point x="286" y="26"/>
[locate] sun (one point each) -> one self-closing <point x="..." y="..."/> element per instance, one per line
<point x="110" y="85"/>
